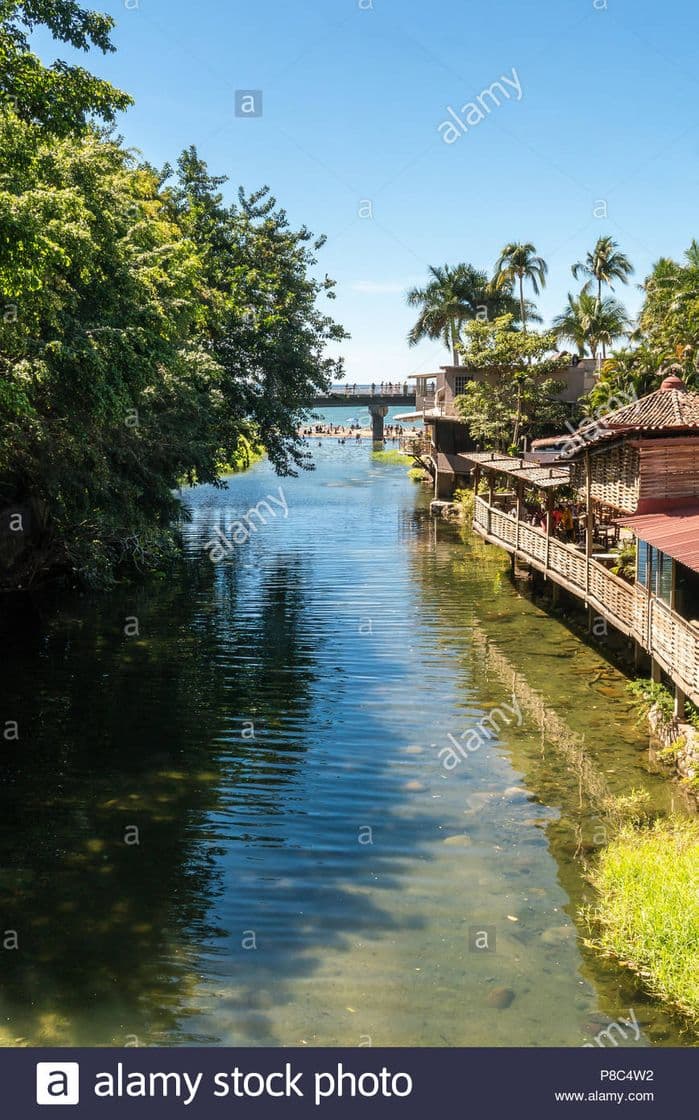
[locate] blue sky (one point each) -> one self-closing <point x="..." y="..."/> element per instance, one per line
<point x="354" y="92"/>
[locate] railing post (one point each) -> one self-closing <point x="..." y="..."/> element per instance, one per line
<point x="650" y="625"/>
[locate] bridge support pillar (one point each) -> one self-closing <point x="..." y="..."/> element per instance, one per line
<point x="378" y="414"/>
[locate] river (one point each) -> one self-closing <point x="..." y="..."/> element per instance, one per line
<point x="227" y="819"/>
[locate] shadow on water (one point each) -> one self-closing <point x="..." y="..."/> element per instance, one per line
<point x="154" y="777"/>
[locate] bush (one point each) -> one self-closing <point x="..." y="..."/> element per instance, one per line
<point x="651" y="694"/>
<point x="465" y="500"/>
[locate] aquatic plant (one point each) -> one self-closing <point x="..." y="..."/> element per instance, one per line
<point x="391" y="456"/>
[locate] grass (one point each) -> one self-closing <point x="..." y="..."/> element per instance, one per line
<point x="647" y="911"/>
<point x="397" y="458"/>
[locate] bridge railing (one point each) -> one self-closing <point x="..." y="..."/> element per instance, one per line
<point x="376" y="389"/>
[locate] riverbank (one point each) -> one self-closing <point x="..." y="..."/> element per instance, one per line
<point x="647" y="911"/>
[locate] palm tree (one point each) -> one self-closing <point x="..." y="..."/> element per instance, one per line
<point x="604" y="264"/>
<point x="518" y="262"/>
<point x="453" y="296"/>
<point x="588" y="321"/>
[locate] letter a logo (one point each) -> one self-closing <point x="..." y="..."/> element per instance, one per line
<point x="57" y="1083"/>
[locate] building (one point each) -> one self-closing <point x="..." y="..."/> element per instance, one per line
<point x="446" y="436"/>
<point x="631" y="478"/>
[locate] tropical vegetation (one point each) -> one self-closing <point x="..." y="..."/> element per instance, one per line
<point x="150" y="331"/>
<point x="518" y="262"/>
<point x="455" y="296"/>
<point x="591" y="322"/>
<point x="519" y="395"/>
<point x="664" y="335"/>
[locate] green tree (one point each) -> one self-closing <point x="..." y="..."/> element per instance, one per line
<point x="518" y="262"/>
<point x="60" y="97"/>
<point x="625" y="375"/>
<point x="604" y="264"/>
<point x="514" y="389"/>
<point x="454" y="296"/>
<point x="105" y="401"/>
<point x="669" y="319"/>
<point x="588" y="321"/>
<point x="260" y="319"/>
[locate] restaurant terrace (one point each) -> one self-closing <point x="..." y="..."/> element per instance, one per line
<point x="633" y="487"/>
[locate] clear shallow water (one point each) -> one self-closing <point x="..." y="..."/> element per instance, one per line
<point x="307" y="872"/>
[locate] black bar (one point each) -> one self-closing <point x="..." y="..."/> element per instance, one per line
<point x="347" y="1083"/>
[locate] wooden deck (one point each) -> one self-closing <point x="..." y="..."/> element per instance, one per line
<point x="669" y="639"/>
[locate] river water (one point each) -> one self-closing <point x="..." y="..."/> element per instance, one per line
<point x="227" y="819"/>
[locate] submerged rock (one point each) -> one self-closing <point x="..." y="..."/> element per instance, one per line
<point x="558" y="935"/>
<point x="500" y="998"/>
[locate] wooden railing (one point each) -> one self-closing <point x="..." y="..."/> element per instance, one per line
<point x="674" y="642"/>
<point x="670" y="639"/>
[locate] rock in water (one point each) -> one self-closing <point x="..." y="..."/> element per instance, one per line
<point x="500" y="998"/>
<point x="558" y="935"/>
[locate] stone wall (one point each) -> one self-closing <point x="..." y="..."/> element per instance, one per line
<point x="681" y="736"/>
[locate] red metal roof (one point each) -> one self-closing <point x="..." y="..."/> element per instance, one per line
<point x="674" y="531"/>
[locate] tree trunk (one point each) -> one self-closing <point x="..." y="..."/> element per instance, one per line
<point x="454" y="338"/>
<point x="518" y="416"/>
<point x="522" y="308"/>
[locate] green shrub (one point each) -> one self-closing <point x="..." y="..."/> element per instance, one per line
<point x="625" y="565"/>
<point x="465" y="500"/>
<point x="651" y="694"/>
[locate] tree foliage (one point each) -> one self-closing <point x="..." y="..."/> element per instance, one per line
<point x="516" y="392"/>
<point x="591" y="322"/>
<point x="669" y="320"/>
<point x="60" y="97"/>
<point x="146" y="332"/>
<point x="603" y="265"/>
<point x="518" y="262"/>
<point x="454" y="296"/>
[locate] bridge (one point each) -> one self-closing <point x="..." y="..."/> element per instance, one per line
<point x="378" y="398"/>
<point x="386" y="392"/>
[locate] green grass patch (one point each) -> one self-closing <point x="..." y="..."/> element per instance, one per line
<point x="647" y="911"/>
<point x="397" y="458"/>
